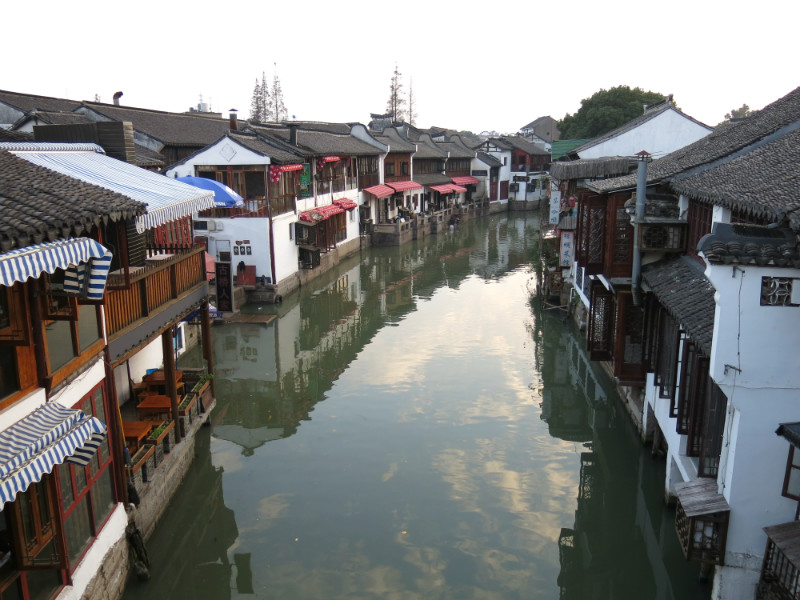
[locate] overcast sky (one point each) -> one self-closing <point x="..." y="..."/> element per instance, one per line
<point x="474" y="65"/>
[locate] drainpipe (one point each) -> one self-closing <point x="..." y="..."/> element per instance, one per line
<point x="641" y="187"/>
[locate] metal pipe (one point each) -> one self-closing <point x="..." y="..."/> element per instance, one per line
<point x="641" y="200"/>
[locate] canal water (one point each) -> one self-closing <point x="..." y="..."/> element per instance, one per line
<point x="416" y="425"/>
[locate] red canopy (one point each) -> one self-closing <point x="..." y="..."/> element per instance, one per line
<point x="457" y="188"/>
<point x="402" y="186"/>
<point x="276" y="170"/>
<point x="443" y="189"/>
<point x="465" y="180"/>
<point x="380" y="191"/>
<point x="320" y="213"/>
<point x="345" y="203"/>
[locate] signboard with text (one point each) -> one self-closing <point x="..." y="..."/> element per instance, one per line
<point x="567" y="248"/>
<point x="555" y="207"/>
<point x="224" y="286"/>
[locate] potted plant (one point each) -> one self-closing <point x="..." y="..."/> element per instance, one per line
<point x="202" y="390"/>
<point x="162" y="439"/>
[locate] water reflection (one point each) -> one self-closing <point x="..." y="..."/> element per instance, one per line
<point x="409" y="427"/>
<point x="622" y="543"/>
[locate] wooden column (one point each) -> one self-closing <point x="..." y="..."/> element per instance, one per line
<point x="169" y="373"/>
<point x="208" y="351"/>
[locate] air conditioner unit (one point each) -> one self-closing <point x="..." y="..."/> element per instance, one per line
<point x="218" y="226"/>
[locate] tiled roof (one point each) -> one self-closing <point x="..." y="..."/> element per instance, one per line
<point x="39" y="205"/>
<point x="427" y="148"/>
<point x="313" y="142"/>
<point x="750" y="245"/>
<point x="590" y="168"/>
<point x="27" y="102"/>
<point x="14" y="136"/>
<point x="763" y="183"/>
<point x="490" y="160"/>
<point x="172" y="129"/>
<point x="148" y="158"/>
<point x="520" y="143"/>
<point x="722" y="142"/>
<point x="395" y="141"/>
<point x="262" y="145"/>
<point x="432" y="179"/>
<point x="456" y="150"/>
<point x="56" y="117"/>
<point x="685" y="292"/>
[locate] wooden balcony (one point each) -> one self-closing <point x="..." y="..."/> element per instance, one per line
<point x="780" y="572"/>
<point x="701" y="521"/>
<point x="156" y="295"/>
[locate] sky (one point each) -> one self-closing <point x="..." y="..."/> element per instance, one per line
<point x="472" y="66"/>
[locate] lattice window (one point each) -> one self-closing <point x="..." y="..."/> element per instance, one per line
<point x="666" y="359"/>
<point x="713" y="429"/>
<point x="663" y="237"/>
<point x="596" y="239"/>
<point x="601" y="322"/>
<point x="777" y="291"/>
<point x="622" y="236"/>
<point x="699" y="218"/>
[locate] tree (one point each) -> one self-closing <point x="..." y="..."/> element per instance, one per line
<point x="738" y="113"/>
<point x="395" y="106"/>
<point x="412" y="113"/>
<point x="277" y="109"/>
<point x="260" y="102"/>
<point x="606" y="110"/>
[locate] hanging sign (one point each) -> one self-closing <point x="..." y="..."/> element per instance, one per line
<point x="555" y="207"/>
<point x="567" y="248"/>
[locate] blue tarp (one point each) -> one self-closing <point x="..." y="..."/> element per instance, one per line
<point x="224" y="197"/>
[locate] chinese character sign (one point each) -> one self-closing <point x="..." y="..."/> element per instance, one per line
<point x="567" y="248"/>
<point x="555" y="207"/>
<point x="224" y="286"/>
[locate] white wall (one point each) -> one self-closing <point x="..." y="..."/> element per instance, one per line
<point x="661" y="135"/>
<point x="224" y="152"/>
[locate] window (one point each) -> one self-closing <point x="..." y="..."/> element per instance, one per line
<point x="699" y="218"/>
<point x="404" y="168"/>
<point x="389" y="169"/>
<point x="87" y="493"/>
<point x="791" y="483"/>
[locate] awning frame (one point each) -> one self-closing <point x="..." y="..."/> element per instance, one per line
<point x="85" y="261"/>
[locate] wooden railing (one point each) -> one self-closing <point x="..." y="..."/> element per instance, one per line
<point x="164" y="278"/>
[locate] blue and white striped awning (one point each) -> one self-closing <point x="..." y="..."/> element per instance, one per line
<point x="49" y="436"/>
<point x="166" y="199"/>
<point x="85" y="261"/>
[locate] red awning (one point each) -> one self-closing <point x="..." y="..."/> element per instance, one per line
<point x="380" y="191"/>
<point x="443" y="189"/>
<point x="276" y="170"/>
<point x="320" y="213"/>
<point x="402" y="186"/>
<point x="465" y="180"/>
<point x="458" y="188"/>
<point x="210" y="266"/>
<point x="345" y="203"/>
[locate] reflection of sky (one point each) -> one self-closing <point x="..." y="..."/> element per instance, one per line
<point x="427" y="472"/>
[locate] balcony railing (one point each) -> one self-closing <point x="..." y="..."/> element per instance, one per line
<point x="780" y="573"/>
<point x="141" y="291"/>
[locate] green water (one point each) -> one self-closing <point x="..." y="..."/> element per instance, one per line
<point x="413" y="426"/>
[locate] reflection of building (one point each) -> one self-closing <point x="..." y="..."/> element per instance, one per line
<point x="198" y="526"/>
<point x="622" y="543"/>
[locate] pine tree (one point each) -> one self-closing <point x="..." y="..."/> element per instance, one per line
<point x="412" y="113"/>
<point x="259" y="103"/>
<point x="277" y="108"/>
<point x="256" y="116"/>
<point x="395" y="106"/>
<point x="264" y="97"/>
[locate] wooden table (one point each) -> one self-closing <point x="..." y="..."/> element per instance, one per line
<point x="157" y="381"/>
<point x="153" y="406"/>
<point x="135" y="432"/>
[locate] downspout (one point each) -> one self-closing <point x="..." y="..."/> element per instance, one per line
<point x="641" y="199"/>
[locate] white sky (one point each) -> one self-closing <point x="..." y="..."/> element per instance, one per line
<point x="475" y="65"/>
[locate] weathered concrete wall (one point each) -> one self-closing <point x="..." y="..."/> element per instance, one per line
<point x="327" y="262"/>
